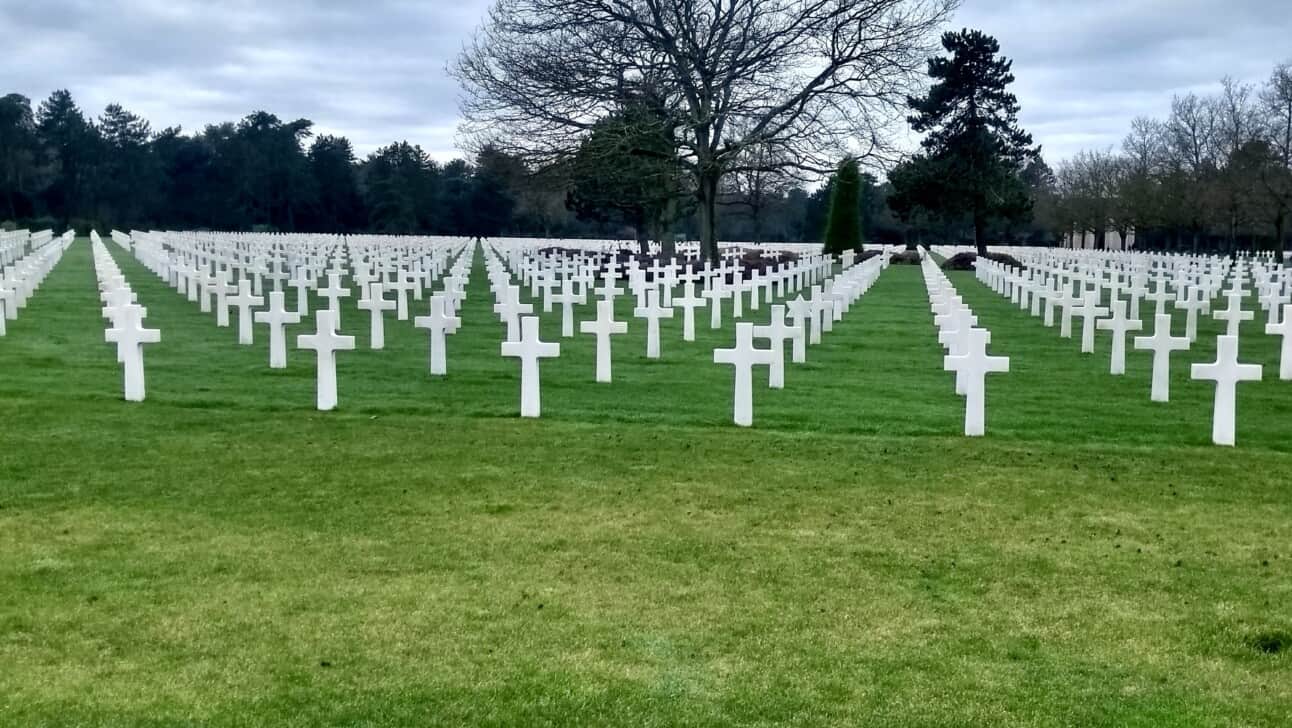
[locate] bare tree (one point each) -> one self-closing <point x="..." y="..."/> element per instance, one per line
<point x="1276" y="98"/>
<point x="1191" y="147"/>
<point x="760" y="176"/>
<point x="1237" y="130"/>
<point x="1088" y="186"/>
<point x="810" y="80"/>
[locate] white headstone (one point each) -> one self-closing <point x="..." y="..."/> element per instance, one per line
<point x="529" y="349"/>
<point x="129" y="335"/>
<point x="1226" y="372"/>
<point x="277" y="317"/>
<point x="972" y="367"/>
<point x="1119" y="325"/>
<point x="652" y="312"/>
<point x="244" y="301"/>
<point x="1283" y="329"/>
<point x="1161" y="343"/>
<point x="377" y="305"/>
<point x="438" y="324"/>
<point x="326" y="342"/>
<point x="777" y="332"/>
<point x="1089" y="311"/>
<point x="603" y="328"/>
<point x="744" y="357"/>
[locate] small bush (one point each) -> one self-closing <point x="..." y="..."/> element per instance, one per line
<point x="41" y="223"/>
<point x="965" y="261"/>
<point x="1272" y="643"/>
<point x="81" y="226"/>
<point x="1004" y="259"/>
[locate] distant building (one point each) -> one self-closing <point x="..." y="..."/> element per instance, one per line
<point x="1112" y="241"/>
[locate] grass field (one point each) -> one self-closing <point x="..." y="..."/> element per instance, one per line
<point x="224" y="555"/>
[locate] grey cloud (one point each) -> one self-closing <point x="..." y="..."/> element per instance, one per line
<point x="1086" y="69"/>
<point x="374" y="70"/>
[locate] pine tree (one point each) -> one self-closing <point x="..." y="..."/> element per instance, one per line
<point x="843" y="225"/>
<point x="974" y="153"/>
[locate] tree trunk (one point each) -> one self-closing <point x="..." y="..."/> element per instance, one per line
<point x="1280" y="230"/>
<point x="643" y="239"/>
<point x="706" y="193"/>
<point x="980" y="232"/>
<point x="667" y="245"/>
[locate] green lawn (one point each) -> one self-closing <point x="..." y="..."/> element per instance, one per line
<point x="223" y="554"/>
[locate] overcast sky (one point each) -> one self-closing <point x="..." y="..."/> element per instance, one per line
<point x="373" y="70"/>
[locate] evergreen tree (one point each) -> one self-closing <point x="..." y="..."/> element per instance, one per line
<point x="973" y="153"/>
<point x="400" y="182"/>
<point x="624" y="172"/>
<point x="843" y="226"/>
<point x="339" y="206"/>
<point x="127" y="182"/>
<point x="71" y="146"/>
<point x="19" y="154"/>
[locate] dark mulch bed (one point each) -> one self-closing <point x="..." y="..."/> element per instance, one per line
<point x="752" y="260"/>
<point x="904" y="258"/>
<point x="960" y="261"/>
<point x="965" y="261"/>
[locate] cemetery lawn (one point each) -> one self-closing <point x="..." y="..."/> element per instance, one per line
<point x="224" y="555"/>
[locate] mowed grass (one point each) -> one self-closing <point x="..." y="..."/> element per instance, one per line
<point x="224" y="555"/>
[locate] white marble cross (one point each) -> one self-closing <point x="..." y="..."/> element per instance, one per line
<point x="529" y="349"/>
<point x="334" y="293"/>
<point x="715" y="292"/>
<point x="222" y="289"/>
<point x="1234" y="315"/>
<point x="652" y="312"/>
<point x="1283" y="329"/>
<point x="1192" y="304"/>
<point x="1089" y="311"/>
<point x="326" y="342"/>
<point x="800" y="310"/>
<point x="777" y="332"/>
<point x="377" y="304"/>
<point x="302" y="283"/>
<point x="439" y="323"/>
<point x="277" y="317"/>
<point x="1161" y="343"/>
<point x="744" y="357"/>
<point x="603" y="328"/>
<point x="972" y="367"/>
<point x="1066" y="303"/>
<point x="688" y="302"/>
<point x="1119" y="325"/>
<point x="510" y="309"/>
<point x="1226" y="372"/>
<point x="401" y="285"/>
<point x="129" y="335"/>
<point x="1159" y="296"/>
<point x="567" y="298"/>
<point x="244" y="301"/>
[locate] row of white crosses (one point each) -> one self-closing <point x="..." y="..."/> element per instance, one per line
<point x="201" y="266"/>
<point x="966" y="345"/>
<point x="1076" y="284"/>
<point x="24" y="271"/>
<point x="578" y="276"/>
<point x="125" y="320"/>
<point x="13" y="246"/>
<point x="843" y="291"/>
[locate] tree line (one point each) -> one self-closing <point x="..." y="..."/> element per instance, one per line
<point x="1216" y="174"/>
<point x="60" y="168"/>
